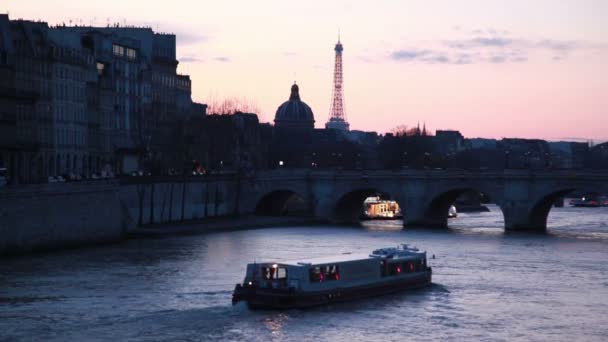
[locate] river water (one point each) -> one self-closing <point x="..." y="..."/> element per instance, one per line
<point x="488" y="285"/>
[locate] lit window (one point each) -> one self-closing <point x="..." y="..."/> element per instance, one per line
<point x="131" y="53"/>
<point x="100" y="67"/>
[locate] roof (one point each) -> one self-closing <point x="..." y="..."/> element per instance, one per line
<point x="326" y="260"/>
<point x="339" y="259"/>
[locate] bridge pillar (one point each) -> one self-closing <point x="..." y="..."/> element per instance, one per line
<point x="415" y="214"/>
<point x="518" y="217"/>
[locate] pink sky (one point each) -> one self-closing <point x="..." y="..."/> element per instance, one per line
<point x="526" y="69"/>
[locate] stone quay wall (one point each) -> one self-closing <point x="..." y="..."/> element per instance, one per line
<point x="52" y="216"/>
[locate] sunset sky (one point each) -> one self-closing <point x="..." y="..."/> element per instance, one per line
<point x="517" y="68"/>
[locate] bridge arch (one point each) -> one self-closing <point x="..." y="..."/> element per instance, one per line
<point x="541" y="206"/>
<point x="282" y="202"/>
<point x="348" y="206"/>
<point x="435" y="211"/>
<point x="539" y="212"/>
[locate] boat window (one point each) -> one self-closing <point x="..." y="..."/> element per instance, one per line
<point x="270" y="273"/>
<point x="331" y="272"/>
<point x="324" y="273"/>
<point x="281" y="273"/>
<point x="316" y="275"/>
<point x="394" y="269"/>
<point x="267" y="273"/>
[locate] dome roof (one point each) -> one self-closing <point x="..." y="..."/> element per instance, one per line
<point x="294" y="113"/>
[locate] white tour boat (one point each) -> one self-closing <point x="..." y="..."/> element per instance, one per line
<point x="306" y="283"/>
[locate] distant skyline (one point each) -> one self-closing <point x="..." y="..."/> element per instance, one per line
<point x="529" y="69"/>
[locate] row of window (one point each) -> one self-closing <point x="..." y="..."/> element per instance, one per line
<point x="70" y="112"/>
<point x="68" y="73"/>
<point x="132" y="88"/>
<point x="123" y="51"/>
<point x="170" y="80"/>
<point x="165" y="52"/>
<point x="320" y="274"/>
<point x="274" y="273"/>
<point x="125" y="69"/>
<point x="59" y="52"/>
<point x="66" y="91"/>
<point x="71" y="137"/>
<point x="74" y="91"/>
<point x="23" y="46"/>
<point x="32" y="66"/>
<point x="397" y="268"/>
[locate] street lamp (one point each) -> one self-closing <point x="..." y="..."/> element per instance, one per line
<point x="507" y="152"/>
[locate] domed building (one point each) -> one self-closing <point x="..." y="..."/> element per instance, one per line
<point x="294" y="114"/>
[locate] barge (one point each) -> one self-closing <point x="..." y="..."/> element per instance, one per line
<point x="313" y="282"/>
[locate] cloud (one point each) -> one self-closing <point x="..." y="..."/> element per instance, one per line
<point x="194" y="59"/>
<point x="449" y="57"/>
<point x="559" y="46"/>
<point x="489" y="46"/>
<point x="427" y="56"/>
<point x="190" y="59"/>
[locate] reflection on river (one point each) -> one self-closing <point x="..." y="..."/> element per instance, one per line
<point x="488" y="285"/>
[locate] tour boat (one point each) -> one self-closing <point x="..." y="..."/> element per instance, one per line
<point x="312" y="282"/>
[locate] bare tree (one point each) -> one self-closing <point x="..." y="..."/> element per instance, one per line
<point x="404" y="131"/>
<point x="231" y="105"/>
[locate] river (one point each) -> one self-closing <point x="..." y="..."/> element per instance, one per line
<point x="487" y="285"/>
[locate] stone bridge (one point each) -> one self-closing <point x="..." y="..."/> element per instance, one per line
<point x="524" y="196"/>
<point x="55" y="215"/>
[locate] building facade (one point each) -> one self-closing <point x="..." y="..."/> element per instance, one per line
<point x="81" y="100"/>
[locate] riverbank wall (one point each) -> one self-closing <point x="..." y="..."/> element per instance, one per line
<point x="53" y="216"/>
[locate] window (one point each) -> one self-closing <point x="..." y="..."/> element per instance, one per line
<point x="315" y="275"/>
<point x="131" y="53"/>
<point x="394" y="269"/>
<point x="281" y="273"/>
<point x="274" y="273"/>
<point x="324" y="273"/>
<point x="118" y="50"/>
<point x="100" y="68"/>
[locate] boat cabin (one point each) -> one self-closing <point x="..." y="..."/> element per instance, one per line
<point x="343" y="270"/>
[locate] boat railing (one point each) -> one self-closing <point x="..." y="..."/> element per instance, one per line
<point x="395" y="252"/>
